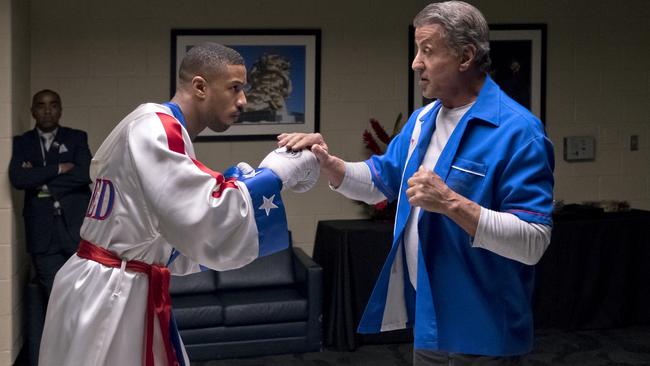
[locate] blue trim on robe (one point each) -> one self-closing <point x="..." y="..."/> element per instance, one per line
<point x="264" y="188"/>
<point x="176" y="111"/>
<point x="176" y="340"/>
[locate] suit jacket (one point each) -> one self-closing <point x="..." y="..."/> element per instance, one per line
<point x="71" y="189"/>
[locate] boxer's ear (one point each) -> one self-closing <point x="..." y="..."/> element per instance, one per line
<point x="199" y="86"/>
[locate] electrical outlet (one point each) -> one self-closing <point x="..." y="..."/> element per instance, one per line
<point x="579" y="148"/>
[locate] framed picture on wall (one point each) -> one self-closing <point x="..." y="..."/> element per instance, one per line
<point x="283" y="74"/>
<point x="518" y="53"/>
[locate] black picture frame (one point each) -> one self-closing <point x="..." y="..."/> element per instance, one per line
<point x="521" y="47"/>
<point x="284" y="61"/>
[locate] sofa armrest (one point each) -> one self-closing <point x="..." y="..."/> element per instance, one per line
<point x="309" y="279"/>
<point x="303" y="265"/>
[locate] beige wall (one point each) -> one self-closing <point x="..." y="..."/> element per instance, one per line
<point x="111" y="56"/>
<point x="14" y="95"/>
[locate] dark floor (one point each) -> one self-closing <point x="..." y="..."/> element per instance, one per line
<point x="614" y="347"/>
<point x="619" y="347"/>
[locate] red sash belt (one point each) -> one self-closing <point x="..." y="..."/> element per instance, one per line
<point x="158" y="300"/>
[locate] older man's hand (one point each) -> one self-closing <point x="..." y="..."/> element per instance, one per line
<point x="298" y="141"/>
<point x="428" y="191"/>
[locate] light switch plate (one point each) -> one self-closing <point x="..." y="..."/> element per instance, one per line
<point x="579" y="148"/>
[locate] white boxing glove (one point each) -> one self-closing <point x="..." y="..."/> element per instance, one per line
<point x="298" y="170"/>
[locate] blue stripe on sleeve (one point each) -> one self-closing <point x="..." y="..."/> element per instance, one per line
<point x="264" y="187"/>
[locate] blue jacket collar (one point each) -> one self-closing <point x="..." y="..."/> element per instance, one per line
<point x="489" y="97"/>
<point x="483" y="109"/>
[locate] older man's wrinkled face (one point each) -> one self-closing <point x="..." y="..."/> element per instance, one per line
<point x="437" y="64"/>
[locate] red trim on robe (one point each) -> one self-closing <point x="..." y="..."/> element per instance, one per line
<point x="177" y="145"/>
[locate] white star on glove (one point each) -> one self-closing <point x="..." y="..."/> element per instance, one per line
<point x="268" y="204"/>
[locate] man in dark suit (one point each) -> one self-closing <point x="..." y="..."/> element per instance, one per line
<point x="51" y="164"/>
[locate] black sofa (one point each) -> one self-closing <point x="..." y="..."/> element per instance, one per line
<point x="270" y="306"/>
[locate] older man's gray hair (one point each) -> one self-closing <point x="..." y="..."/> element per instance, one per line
<point x="463" y="25"/>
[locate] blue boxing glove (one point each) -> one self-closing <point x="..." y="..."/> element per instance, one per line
<point x="239" y="171"/>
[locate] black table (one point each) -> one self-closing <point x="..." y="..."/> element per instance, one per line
<point x="352" y="253"/>
<point x="595" y="274"/>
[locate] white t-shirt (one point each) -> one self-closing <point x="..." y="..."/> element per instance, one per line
<point x="446" y="121"/>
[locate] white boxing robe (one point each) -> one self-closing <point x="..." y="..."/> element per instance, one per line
<point x="150" y="196"/>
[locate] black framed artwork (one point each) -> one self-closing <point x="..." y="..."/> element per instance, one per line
<point x="283" y="72"/>
<point x="518" y="53"/>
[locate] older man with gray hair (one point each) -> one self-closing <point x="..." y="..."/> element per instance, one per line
<point x="473" y="176"/>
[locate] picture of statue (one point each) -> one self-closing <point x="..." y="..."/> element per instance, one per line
<point x="282" y="86"/>
<point x="276" y="85"/>
<point x="270" y="85"/>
